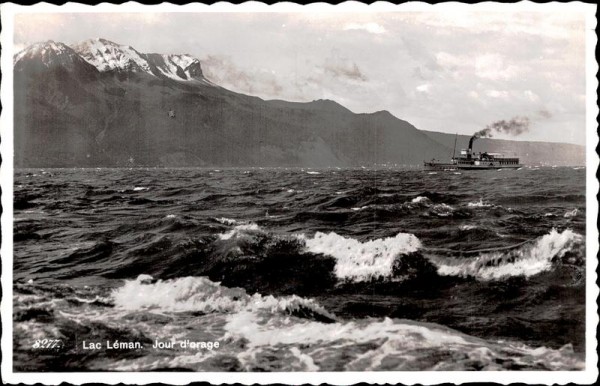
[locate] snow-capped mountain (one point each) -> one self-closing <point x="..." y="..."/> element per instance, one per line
<point x="108" y="56"/>
<point x="99" y="103"/>
<point x="103" y="56"/>
<point x="48" y="55"/>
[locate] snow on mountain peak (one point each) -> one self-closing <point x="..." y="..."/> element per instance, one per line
<point x="105" y="56"/>
<point x="47" y="49"/>
<point x="183" y="61"/>
<point x="109" y="56"/>
<point x="47" y="54"/>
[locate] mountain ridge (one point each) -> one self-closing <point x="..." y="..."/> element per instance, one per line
<point x="99" y="103"/>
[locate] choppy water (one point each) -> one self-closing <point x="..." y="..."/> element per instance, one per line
<point x="301" y="269"/>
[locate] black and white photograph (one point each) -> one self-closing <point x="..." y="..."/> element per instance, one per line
<point x="253" y="189"/>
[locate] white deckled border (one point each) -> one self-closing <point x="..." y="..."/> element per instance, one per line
<point x="588" y="376"/>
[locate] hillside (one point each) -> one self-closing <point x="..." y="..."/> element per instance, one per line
<point x="102" y="104"/>
<point x="99" y="103"/>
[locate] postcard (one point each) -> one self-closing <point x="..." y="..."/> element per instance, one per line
<point x="282" y="193"/>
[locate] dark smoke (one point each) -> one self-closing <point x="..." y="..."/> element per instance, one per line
<point x="514" y="126"/>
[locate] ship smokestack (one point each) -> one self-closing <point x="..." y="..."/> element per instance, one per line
<point x="471" y="143"/>
<point x="470" y="149"/>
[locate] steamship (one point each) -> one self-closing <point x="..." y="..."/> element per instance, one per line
<point x="469" y="160"/>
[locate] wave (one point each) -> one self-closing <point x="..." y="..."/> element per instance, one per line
<point x="238" y="230"/>
<point x="226" y="221"/>
<point x="358" y="261"/>
<point x="442" y="210"/>
<point x="286" y="333"/>
<point x="571" y="213"/>
<point x="309" y="338"/>
<point x="420" y="199"/>
<point x="534" y="198"/>
<point x="440" y="197"/>
<point x="527" y="260"/>
<point x="479" y="204"/>
<point x="199" y="294"/>
<point x="388" y="344"/>
<point x="393" y="258"/>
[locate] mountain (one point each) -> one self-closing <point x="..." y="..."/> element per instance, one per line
<point x="107" y="56"/>
<point x="99" y="103"/>
<point x="44" y="58"/>
<point x="529" y="153"/>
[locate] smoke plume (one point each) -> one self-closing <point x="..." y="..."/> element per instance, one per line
<point x="514" y="126"/>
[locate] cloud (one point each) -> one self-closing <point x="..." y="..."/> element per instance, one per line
<point x="342" y="68"/>
<point x="373" y="28"/>
<point x="478" y="67"/>
<point x="555" y="25"/>
<point x="494" y="66"/>
<point x="345" y="70"/>
<point x="222" y="70"/>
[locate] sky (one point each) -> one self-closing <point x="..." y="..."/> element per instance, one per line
<point x="455" y="72"/>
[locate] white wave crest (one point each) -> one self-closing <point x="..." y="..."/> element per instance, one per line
<point x="237" y="230"/>
<point x="479" y="204"/>
<point x="527" y="260"/>
<point x="358" y="261"/>
<point x="201" y="294"/>
<point x="419" y="200"/>
<point x="226" y="221"/>
<point x="571" y="213"/>
<point x="442" y="210"/>
<point x="183" y="294"/>
<point x="394" y="345"/>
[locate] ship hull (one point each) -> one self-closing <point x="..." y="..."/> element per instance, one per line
<point x="450" y="166"/>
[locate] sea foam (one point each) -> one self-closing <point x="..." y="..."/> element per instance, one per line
<point x="420" y="199"/>
<point x="479" y="204"/>
<point x="226" y="221"/>
<point x="571" y="213"/>
<point x="358" y="261"/>
<point x="237" y="230"/>
<point x="199" y="294"/>
<point x="527" y="260"/>
<point x="387" y="344"/>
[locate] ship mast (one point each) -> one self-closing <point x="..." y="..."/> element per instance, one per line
<point x="454" y="151"/>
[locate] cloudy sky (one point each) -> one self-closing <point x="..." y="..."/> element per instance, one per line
<point x="450" y="72"/>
